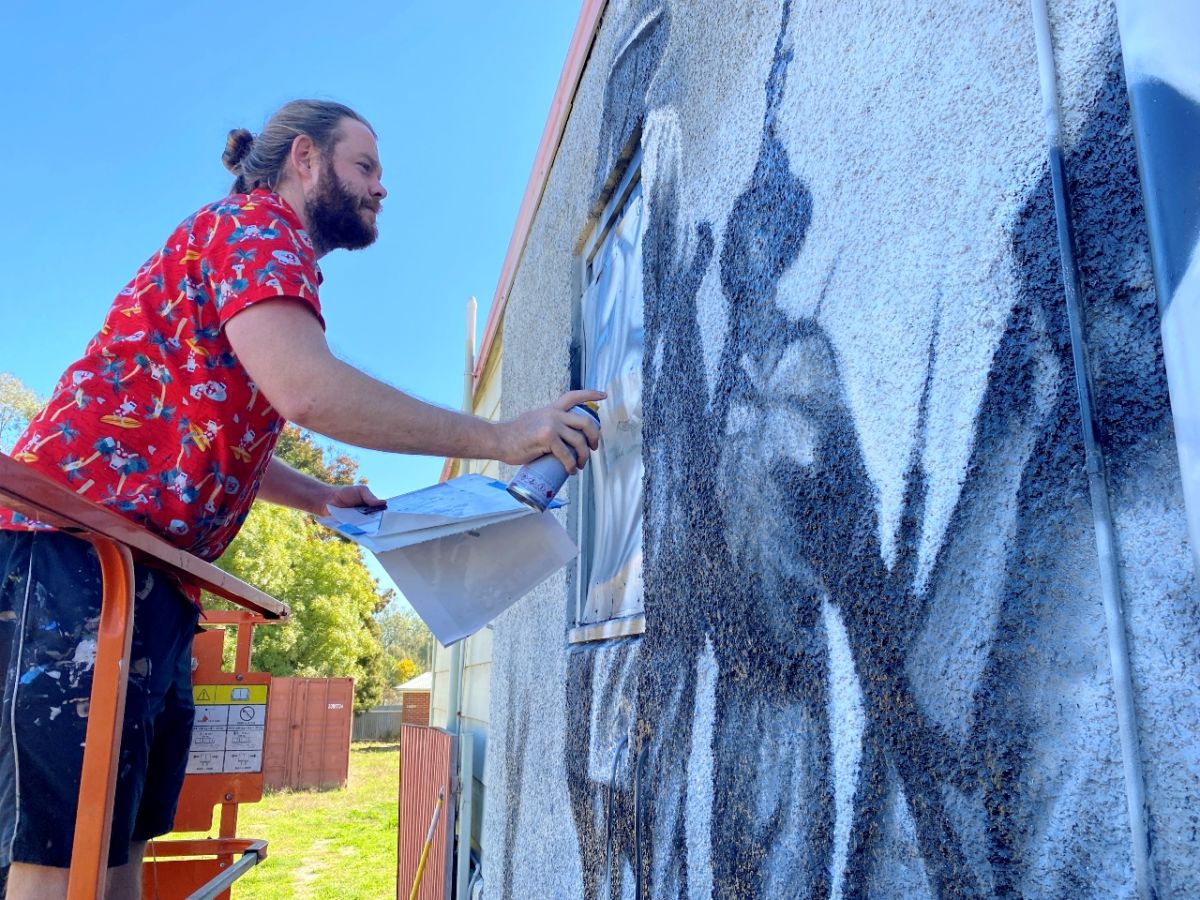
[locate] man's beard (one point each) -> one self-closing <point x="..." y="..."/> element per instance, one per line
<point x="335" y="217"/>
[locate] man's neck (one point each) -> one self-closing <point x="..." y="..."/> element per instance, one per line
<point x="291" y="193"/>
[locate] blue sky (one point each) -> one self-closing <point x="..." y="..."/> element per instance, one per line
<point x="116" y="115"/>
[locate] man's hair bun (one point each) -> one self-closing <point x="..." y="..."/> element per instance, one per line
<point x="258" y="161"/>
<point x="237" y="145"/>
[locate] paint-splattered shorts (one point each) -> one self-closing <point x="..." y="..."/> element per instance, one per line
<point x="49" y="610"/>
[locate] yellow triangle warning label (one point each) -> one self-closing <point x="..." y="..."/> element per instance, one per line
<point x="203" y="695"/>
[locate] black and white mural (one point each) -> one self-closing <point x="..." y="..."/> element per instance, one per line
<point x="874" y="662"/>
<point x="1158" y="41"/>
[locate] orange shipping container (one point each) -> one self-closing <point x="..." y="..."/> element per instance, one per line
<point x="307" y="744"/>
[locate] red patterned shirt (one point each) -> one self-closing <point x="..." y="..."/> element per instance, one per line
<point x="158" y="420"/>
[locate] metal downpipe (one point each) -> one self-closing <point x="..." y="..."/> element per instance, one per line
<point x="1110" y="583"/>
<point x="457" y="659"/>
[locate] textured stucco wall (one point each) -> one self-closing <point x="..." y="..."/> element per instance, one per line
<point x="875" y="661"/>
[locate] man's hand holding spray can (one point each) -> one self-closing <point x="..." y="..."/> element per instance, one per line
<point x="536" y="483"/>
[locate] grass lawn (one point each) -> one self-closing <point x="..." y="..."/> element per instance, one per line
<point x="323" y="844"/>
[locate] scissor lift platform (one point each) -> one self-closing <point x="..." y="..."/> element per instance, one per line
<point x="201" y="868"/>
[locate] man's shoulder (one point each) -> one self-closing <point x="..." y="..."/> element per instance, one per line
<point x="241" y="205"/>
<point x="260" y="213"/>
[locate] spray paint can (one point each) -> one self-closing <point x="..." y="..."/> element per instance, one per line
<point x="536" y="483"/>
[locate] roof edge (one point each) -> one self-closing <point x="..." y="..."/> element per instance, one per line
<point x="543" y="162"/>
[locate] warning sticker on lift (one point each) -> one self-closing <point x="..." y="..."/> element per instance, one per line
<point x="227" y="735"/>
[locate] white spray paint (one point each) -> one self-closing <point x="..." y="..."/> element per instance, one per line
<point x="698" y="827"/>
<point x="847" y="725"/>
<point x="1159" y="40"/>
<point x="85" y="653"/>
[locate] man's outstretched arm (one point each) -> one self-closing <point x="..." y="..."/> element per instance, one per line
<point x="284" y="351"/>
<point x="288" y="487"/>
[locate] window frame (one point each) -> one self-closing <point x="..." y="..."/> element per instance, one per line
<point x="582" y="510"/>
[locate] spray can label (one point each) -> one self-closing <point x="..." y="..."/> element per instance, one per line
<point x="537" y="483"/>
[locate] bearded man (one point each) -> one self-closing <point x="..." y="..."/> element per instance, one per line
<point x="170" y="418"/>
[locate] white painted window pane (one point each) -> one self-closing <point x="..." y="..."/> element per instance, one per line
<point x="613" y="342"/>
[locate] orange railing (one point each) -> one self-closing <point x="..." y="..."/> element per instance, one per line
<point x="118" y="541"/>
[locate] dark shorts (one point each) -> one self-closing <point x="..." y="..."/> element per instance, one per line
<point x="49" y="610"/>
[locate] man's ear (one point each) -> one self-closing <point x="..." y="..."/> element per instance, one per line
<point x="303" y="158"/>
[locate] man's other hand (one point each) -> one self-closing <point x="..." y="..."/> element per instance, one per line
<point x="570" y="436"/>
<point x="352" y="495"/>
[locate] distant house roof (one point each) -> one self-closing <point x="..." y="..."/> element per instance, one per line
<point x="423" y="682"/>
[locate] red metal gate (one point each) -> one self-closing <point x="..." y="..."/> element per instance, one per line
<point x="426" y="758"/>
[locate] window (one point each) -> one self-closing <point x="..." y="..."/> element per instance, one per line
<point x="610" y="339"/>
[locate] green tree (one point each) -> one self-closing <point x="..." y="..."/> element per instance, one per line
<point x="406" y="637"/>
<point x="299" y="450"/>
<point x="321" y="576"/>
<point x="18" y="404"/>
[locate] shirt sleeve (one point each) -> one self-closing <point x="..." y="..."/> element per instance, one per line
<point x="256" y="254"/>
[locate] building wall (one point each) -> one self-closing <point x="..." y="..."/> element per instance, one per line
<point x="476" y="683"/>
<point x="414" y="708"/>
<point x="875" y="660"/>
<point x="477" y="662"/>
